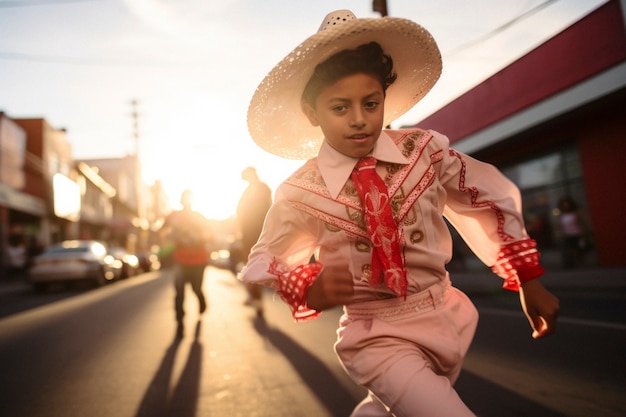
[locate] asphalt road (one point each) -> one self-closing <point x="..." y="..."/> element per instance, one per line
<point x="112" y="351"/>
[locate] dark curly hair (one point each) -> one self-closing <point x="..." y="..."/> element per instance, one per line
<point x="368" y="58"/>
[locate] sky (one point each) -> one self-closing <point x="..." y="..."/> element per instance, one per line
<point x="192" y="66"/>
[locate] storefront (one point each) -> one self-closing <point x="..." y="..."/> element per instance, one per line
<point x="20" y="223"/>
<point x="556" y="128"/>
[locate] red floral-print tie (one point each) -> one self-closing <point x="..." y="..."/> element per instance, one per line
<point x="381" y="227"/>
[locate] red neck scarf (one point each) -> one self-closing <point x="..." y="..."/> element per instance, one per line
<point x="386" y="256"/>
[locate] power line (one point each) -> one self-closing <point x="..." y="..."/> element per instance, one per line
<point x="28" y="3"/>
<point x="16" y="56"/>
<point x="50" y="59"/>
<point x="96" y="62"/>
<point x="500" y="28"/>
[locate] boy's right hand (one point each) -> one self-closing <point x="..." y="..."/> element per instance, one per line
<point x="334" y="286"/>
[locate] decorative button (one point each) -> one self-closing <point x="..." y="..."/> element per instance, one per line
<point x="366" y="272"/>
<point x="363" y="246"/>
<point x="417" y="236"/>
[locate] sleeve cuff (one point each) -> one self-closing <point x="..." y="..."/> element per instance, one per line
<point x="518" y="262"/>
<point x="292" y="287"/>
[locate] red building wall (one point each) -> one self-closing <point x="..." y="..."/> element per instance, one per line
<point x="602" y="147"/>
<point x="593" y="45"/>
<point x="586" y="48"/>
<point x="35" y="184"/>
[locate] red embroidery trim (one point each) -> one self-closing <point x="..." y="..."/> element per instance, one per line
<point x="474" y="198"/>
<point x="518" y="262"/>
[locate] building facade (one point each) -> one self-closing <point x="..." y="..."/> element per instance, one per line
<point x="46" y="196"/>
<point x="22" y="203"/>
<point x="554" y="122"/>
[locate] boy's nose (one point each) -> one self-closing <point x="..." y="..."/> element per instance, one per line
<point x="357" y="120"/>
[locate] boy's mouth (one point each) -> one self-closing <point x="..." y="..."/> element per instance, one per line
<point x="359" y="136"/>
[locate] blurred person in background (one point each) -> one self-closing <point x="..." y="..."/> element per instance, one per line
<point x="572" y="231"/>
<point x="190" y="234"/>
<point x="17" y="255"/>
<point x="251" y="210"/>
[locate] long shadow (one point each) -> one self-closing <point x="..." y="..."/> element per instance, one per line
<point x="183" y="402"/>
<point x="487" y="399"/>
<point x="482" y="396"/>
<point x="338" y="400"/>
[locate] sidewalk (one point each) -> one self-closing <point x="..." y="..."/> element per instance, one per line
<point x="13" y="284"/>
<point x="476" y="277"/>
<point x="585" y="278"/>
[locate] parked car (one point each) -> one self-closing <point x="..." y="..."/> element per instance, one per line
<point x="130" y="262"/>
<point x="74" y="260"/>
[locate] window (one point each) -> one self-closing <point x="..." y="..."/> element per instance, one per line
<point x="542" y="181"/>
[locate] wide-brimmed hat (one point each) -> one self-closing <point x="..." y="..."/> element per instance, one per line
<point x="275" y="119"/>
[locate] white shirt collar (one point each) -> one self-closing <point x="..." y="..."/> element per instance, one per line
<point x="336" y="167"/>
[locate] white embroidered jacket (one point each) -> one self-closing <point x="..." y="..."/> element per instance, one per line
<point x="318" y="212"/>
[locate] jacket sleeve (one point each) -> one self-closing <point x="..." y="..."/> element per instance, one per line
<point x="485" y="207"/>
<point x="281" y="257"/>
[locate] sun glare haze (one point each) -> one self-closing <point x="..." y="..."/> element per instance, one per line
<point x="193" y="65"/>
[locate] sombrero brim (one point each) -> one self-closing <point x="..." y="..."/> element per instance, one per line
<point x="275" y="119"/>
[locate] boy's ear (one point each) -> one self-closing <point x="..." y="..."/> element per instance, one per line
<point x="310" y="113"/>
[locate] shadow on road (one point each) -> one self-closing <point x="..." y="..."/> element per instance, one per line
<point x="183" y="401"/>
<point x="338" y="400"/>
<point x="487" y="399"/>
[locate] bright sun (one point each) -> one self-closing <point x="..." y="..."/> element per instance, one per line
<point x="204" y="146"/>
<point x="216" y="185"/>
<point x="215" y="177"/>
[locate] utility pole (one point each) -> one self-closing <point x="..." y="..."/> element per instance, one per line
<point x="380" y="6"/>
<point x="135" y="115"/>
<point x="138" y="240"/>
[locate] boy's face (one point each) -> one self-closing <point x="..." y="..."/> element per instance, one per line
<point x="350" y="113"/>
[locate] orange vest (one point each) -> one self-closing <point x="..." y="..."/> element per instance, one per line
<point x="190" y="234"/>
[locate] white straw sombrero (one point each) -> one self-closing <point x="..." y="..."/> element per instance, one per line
<point x="275" y="119"/>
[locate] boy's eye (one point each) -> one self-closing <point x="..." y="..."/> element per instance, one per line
<point x="339" y="109"/>
<point x="371" y="105"/>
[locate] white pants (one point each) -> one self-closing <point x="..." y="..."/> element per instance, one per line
<point x="408" y="353"/>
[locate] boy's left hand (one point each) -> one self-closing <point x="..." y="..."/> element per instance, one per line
<point x="334" y="286"/>
<point x="540" y="306"/>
